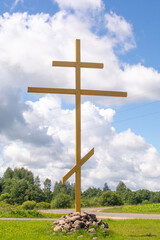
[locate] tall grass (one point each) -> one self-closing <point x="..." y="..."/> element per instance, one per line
<point x="153" y="208"/>
<point x="15" y="211"/>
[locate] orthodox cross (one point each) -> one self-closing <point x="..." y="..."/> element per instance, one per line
<point x="77" y="92"/>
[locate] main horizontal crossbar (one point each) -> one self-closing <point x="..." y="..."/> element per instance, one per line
<point x="73" y="91"/>
<point x="73" y="170"/>
<point x="74" y="64"/>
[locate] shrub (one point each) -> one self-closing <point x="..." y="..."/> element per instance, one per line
<point x="62" y="200"/>
<point x="43" y="205"/>
<point x="5" y="197"/>
<point x="145" y="202"/>
<point x="4" y="207"/>
<point x="29" y="205"/>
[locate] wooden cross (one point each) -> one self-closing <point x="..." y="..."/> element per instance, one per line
<point x="77" y="92"/>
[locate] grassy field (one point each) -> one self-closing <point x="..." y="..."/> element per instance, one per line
<point x="119" y="230"/>
<point x="153" y="208"/>
<point x="28" y="214"/>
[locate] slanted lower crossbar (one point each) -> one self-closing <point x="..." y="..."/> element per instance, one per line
<point x="73" y="170"/>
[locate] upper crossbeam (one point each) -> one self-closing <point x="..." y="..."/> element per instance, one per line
<point x="74" y="64"/>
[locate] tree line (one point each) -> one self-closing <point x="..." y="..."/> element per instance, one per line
<point x="19" y="185"/>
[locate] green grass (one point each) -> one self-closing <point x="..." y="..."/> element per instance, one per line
<point x="43" y="230"/>
<point x="28" y="214"/>
<point x="134" y="229"/>
<point x="153" y="208"/>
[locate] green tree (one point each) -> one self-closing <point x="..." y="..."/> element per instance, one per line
<point x="1" y="185"/>
<point x="47" y="190"/>
<point x="142" y="195"/>
<point x="66" y="188"/>
<point x="92" y="192"/>
<point x="106" y="188"/>
<point x="19" y="183"/>
<point x="22" y="173"/>
<point x="34" y="193"/>
<point x="121" y="187"/>
<point x="110" y="198"/>
<point x="37" y="182"/>
<point x="154" y="197"/>
<point x="18" y="190"/>
<point x="72" y="191"/>
<point x="6" y="185"/>
<point x="8" y="173"/>
<point x="62" y="200"/>
<point x="125" y="193"/>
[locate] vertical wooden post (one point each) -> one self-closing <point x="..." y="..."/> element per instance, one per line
<point x="78" y="131"/>
<point x="78" y="92"/>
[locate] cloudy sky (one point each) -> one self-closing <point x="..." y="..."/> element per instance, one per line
<point x="37" y="131"/>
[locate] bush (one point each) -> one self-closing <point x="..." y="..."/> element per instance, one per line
<point x="145" y="202"/>
<point x="29" y="205"/>
<point x="43" y="205"/>
<point x="4" y="207"/>
<point x="5" y="197"/>
<point x="110" y="198"/>
<point x="62" y="200"/>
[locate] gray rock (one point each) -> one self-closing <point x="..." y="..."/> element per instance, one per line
<point x="62" y="222"/>
<point x="57" y="228"/>
<point x="77" y="227"/>
<point x="92" y="230"/>
<point x="99" y="222"/>
<point x="92" y="216"/>
<point x="95" y="223"/>
<point x="68" y="220"/>
<point x="79" y="223"/>
<point x="67" y="226"/>
<point x="88" y="223"/>
<point x="56" y="222"/>
<point x="83" y="215"/>
<point x="77" y="213"/>
<point x="74" y="218"/>
<point x="105" y="225"/>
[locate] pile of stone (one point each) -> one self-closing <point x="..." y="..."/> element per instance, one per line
<point x="74" y="221"/>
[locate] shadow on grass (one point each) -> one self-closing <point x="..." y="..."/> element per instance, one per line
<point x="143" y="235"/>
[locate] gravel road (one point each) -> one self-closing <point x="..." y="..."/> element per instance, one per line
<point x="96" y="211"/>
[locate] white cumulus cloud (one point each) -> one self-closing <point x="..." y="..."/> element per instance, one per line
<point x="118" y="156"/>
<point x="75" y="4"/>
<point x="38" y="131"/>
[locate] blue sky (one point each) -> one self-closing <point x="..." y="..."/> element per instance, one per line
<point x="144" y="17"/>
<point x="126" y="38"/>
